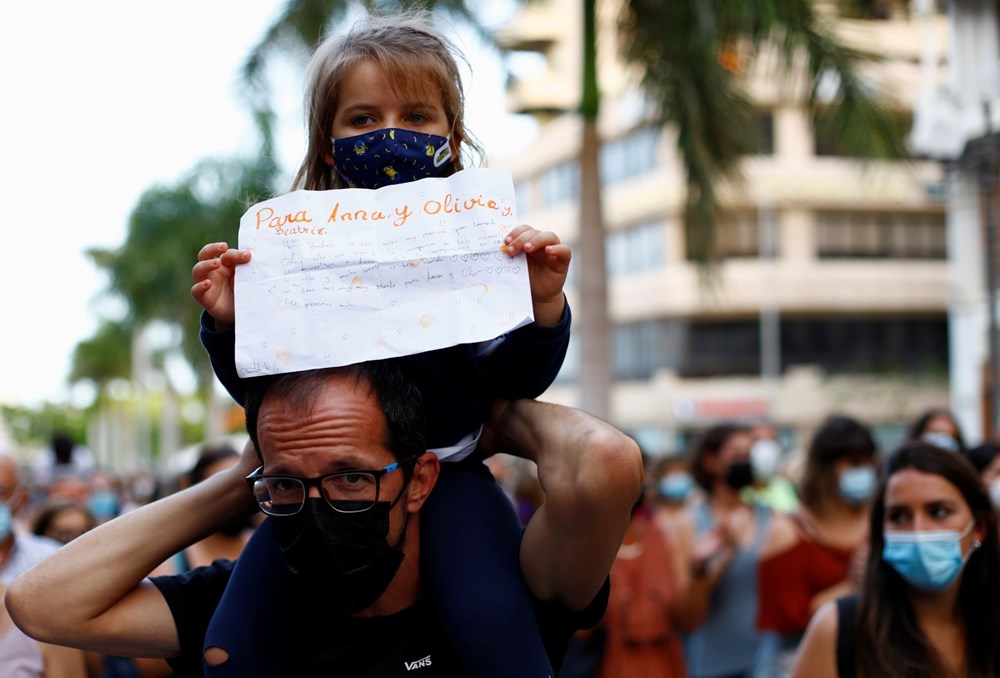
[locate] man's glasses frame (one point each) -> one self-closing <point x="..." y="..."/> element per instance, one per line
<point x="259" y="481"/>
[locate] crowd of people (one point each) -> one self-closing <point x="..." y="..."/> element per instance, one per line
<point x="63" y="494"/>
<point x="881" y="552"/>
<point x="716" y="575"/>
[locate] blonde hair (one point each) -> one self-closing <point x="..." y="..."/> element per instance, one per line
<point x="417" y="61"/>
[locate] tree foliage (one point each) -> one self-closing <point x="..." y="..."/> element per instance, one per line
<point x="686" y="53"/>
<point x="151" y="271"/>
<point x="104" y="357"/>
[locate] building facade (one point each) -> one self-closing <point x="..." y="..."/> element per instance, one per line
<point x="832" y="290"/>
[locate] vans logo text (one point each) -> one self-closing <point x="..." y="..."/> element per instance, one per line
<point x="418" y="663"/>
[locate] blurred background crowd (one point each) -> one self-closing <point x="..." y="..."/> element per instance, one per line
<point x="736" y="542"/>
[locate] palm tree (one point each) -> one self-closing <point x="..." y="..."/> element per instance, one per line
<point x="151" y="272"/>
<point x="684" y="50"/>
<point x="103" y="358"/>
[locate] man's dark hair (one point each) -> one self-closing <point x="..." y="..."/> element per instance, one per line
<point x="398" y="396"/>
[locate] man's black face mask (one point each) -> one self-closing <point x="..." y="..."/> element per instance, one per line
<point x="344" y="558"/>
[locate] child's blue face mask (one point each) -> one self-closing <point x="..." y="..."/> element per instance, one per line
<point x="390" y="156"/>
<point x="929" y="560"/>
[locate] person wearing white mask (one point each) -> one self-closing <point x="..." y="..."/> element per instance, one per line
<point x="770" y="486"/>
<point x="19" y="549"/>
<point x="814" y="553"/>
<point x="929" y="605"/>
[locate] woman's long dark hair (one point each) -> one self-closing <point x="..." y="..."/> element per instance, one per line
<point x="889" y="640"/>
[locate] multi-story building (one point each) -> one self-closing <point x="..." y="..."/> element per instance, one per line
<point x="832" y="290"/>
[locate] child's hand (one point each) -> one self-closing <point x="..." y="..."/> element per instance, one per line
<point x="548" y="264"/>
<point x="213" y="281"/>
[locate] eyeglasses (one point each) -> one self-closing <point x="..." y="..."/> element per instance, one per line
<point x="350" y="491"/>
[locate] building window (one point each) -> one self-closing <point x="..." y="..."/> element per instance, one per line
<point x="894" y="235"/>
<point x="643" y="347"/>
<point x="722" y="348"/>
<point x="915" y="346"/>
<point x="762" y="128"/>
<point x="635" y="249"/>
<point x="560" y="183"/>
<point x="629" y="156"/>
<point x="736" y="236"/>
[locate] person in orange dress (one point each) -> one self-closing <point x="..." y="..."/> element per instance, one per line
<point x="641" y="638"/>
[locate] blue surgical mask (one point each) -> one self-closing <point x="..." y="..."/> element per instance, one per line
<point x="942" y="440"/>
<point x="857" y="484"/>
<point x="390" y="156"/>
<point x="675" y="486"/>
<point x="103" y="505"/>
<point x="6" y="521"/>
<point x="929" y="560"/>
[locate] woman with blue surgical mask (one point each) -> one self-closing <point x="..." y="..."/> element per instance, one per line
<point x="671" y="493"/>
<point x="938" y="426"/>
<point x="815" y="553"/>
<point x="929" y="604"/>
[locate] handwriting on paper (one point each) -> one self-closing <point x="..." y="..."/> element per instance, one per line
<point x="343" y="276"/>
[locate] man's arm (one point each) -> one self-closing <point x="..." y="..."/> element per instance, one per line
<point x="92" y="593"/>
<point x="591" y="474"/>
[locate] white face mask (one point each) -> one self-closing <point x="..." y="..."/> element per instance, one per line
<point x="994" y="489"/>
<point x="764" y="456"/>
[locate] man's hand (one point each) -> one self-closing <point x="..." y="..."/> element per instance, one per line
<point x="548" y="265"/>
<point x="213" y="281"/>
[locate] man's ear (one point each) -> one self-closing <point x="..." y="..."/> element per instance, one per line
<point x="425" y="475"/>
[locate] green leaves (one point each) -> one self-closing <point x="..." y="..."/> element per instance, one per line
<point x="693" y="56"/>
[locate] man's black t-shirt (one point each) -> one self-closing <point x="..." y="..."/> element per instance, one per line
<point x="409" y="643"/>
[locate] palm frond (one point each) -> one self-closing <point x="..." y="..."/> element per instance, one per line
<point x="682" y="50"/>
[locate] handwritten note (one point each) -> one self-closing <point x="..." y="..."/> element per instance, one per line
<point x="339" y="277"/>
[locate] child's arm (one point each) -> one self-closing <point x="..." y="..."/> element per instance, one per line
<point x="213" y="282"/>
<point x="548" y="265"/>
<point x="528" y="359"/>
<point x="213" y="289"/>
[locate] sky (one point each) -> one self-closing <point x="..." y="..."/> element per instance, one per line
<point x="105" y="99"/>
